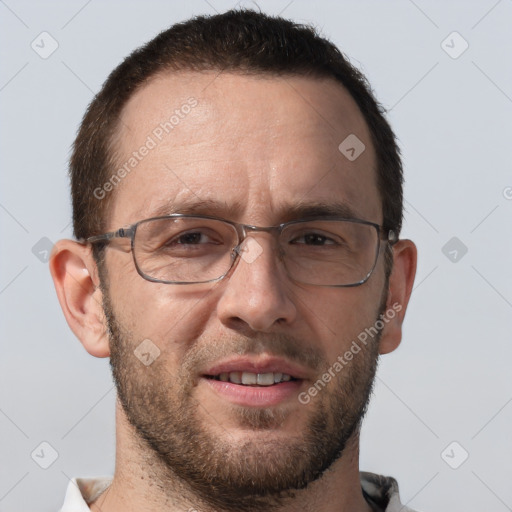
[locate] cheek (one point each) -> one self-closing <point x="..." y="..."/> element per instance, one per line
<point x="341" y="315"/>
<point x="171" y="316"/>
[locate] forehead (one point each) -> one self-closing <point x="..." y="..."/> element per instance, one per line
<point x="255" y="144"/>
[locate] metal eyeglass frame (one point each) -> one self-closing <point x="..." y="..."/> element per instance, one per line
<point x="242" y="231"/>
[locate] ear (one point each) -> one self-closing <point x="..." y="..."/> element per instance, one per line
<point x="76" y="280"/>
<point x="405" y="257"/>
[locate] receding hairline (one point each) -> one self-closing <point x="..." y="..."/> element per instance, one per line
<point x="183" y="72"/>
<point x="241" y="42"/>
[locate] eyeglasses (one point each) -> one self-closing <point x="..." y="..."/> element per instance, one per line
<point x="186" y="249"/>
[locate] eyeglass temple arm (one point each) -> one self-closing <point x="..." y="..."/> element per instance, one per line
<point x="107" y="237"/>
<point x="391" y="236"/>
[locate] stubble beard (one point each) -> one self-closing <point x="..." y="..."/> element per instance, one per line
<point x="242" y="476"/>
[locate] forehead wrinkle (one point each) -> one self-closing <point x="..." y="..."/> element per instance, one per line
<point x="262" y="189"/>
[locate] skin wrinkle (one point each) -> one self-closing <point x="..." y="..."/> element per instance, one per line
<point x="204" y="122"/>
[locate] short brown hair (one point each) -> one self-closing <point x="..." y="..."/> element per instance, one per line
<point x="241" y="41"/>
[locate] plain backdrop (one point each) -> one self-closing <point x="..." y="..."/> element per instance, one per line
<point x="440" y="419"/>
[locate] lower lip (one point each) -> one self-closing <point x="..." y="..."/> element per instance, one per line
<point x="256" y="396"/>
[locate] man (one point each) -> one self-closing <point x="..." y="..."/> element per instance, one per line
<point x="237" y="200"/>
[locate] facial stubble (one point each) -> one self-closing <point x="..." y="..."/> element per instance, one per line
<point x="250" y="475"/>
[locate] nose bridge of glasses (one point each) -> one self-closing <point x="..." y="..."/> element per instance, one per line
<point x="246" y="229"/>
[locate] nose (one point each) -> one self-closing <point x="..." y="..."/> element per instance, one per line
<point x="257" y="291"/>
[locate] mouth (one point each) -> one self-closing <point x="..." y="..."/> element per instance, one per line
<point x="253" y="379"/>
<point x="255" y="382"/>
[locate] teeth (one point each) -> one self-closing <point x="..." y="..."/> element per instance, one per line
<point x="265" y="379"/>
<point x="254" y="379"/>
<point x="249" y="379"/>
<point x="235" y="377"/>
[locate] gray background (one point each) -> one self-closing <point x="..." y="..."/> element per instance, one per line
<point x="449" y="381"/>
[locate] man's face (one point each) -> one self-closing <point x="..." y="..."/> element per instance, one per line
<point x="256" y="147"/>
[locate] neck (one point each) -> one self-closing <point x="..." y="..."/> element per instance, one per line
<point x="142" y="484"/>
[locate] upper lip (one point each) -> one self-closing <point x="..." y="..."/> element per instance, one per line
<point x="266" y="364"/>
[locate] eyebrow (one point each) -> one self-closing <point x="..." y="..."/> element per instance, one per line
<point x="304" y="209"/>
<point x="284" y="213"/>
<point x="197" y="206"/>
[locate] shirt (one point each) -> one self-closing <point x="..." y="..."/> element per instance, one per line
<point x="381" y="493"/>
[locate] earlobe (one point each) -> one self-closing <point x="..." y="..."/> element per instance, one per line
<point x="76" y="281"/>
<point x="401" y="281"/>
